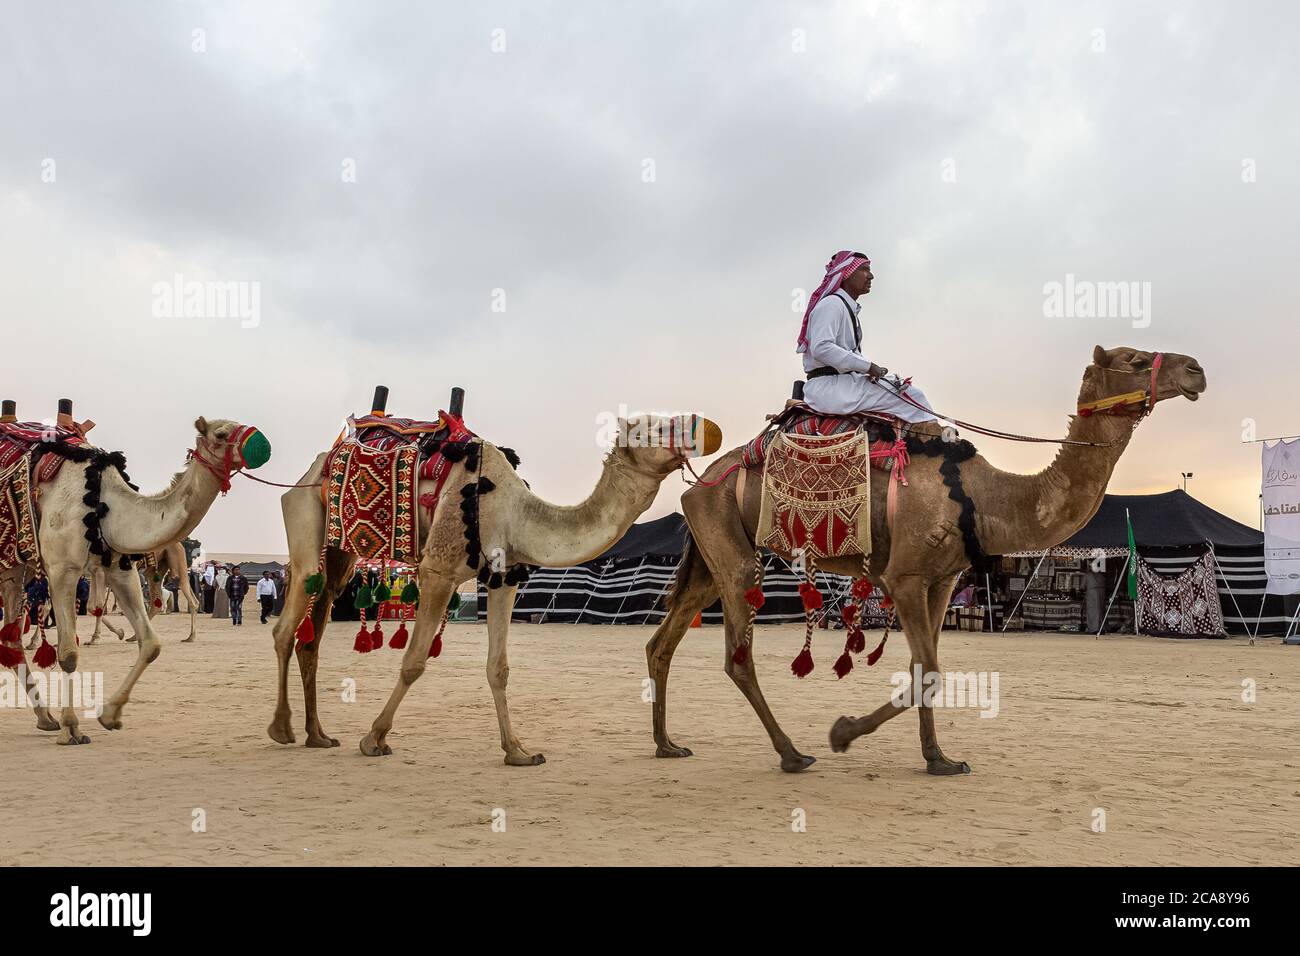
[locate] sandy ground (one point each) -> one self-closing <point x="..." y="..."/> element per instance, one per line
<point x="1154" y="732"/>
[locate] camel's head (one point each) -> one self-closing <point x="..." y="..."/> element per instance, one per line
<point x="235" y="445"/>
<point x="660" y="444"/>
<point x="1129" y="370"/>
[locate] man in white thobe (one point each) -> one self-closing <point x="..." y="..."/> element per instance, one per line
<point x="841" y="380"/>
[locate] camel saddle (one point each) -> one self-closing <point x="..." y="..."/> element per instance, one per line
<point x="798" y="418"/>
<point x="371" y="479"/>
<point x="23" y="466"/>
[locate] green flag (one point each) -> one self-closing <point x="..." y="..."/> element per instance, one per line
<point x="1132" y="559"/>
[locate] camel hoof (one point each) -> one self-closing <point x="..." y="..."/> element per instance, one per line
<point x="46" y="723"/>
<point x="371" y="749"/>
<point x="524" y="760"/>
<point x="797" y="764"/>
<point x="946" y="768"/>
<point x="840" y="735"/>
<point x="69" y="664"/>
<point x="188" y="640"/>
<point x="673" y="751"/>
<point x="74" y="739"/>
<point x="280" y="733"/>
<point x="322" y="742"/>
<point x="110" y="719"/>
<point x="132" y="639"/>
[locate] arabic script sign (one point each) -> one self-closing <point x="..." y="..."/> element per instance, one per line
<point x="1281" y="491"/>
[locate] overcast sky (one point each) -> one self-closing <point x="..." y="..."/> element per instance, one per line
<point x="642" y="186"/>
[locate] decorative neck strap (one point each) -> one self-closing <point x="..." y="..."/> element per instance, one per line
<point x="1141" y="402"/>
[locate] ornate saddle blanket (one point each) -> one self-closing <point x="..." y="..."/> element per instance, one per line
<point x="799" y="419"/>
<point x="18" y="439"/>
<point x="17" y="519"/>
<point x="372" y="476"/>
<point x="370" y="507"/>
<point x="817" y="495"/>
<point x="1184" y="605"/>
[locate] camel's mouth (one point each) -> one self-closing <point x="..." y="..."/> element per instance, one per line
<point x="1189" y="393"/>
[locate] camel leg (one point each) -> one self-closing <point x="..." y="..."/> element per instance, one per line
<point x="935" y="761"/>
<point x="501" y="602"/>
<point x="435" y="593"/>
<point x="126" y="586"/>
<point x="913" y="598"/>
<point x="693" y="592"/>
<point x="11" y="585"/>
<point x="192" y="605"/>
<point x="338" y="569"/>
<point x="63" y="595"/>
<point x="304" y="521"/>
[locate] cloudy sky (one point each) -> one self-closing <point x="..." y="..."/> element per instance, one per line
<point x="571" y="207"/>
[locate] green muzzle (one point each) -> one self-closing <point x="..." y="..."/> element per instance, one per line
<point x="255" y="450"/>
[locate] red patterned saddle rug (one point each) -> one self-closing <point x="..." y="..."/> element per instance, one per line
<point x="372" y="476"/>
<point x="18" y="439"/>
<point x="17" y="517"/>
<point x="817" y="495"/>
<point x="884" y="432"/>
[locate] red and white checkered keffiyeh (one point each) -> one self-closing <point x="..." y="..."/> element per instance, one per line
<point x="842" y="265"/>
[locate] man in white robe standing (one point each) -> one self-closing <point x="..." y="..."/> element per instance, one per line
<point x="841" y="380"/>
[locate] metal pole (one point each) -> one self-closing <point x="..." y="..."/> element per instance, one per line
<point x="1218" y="567"/>
<point x="1024" y="592"/>
<point x="1115" y="593"/>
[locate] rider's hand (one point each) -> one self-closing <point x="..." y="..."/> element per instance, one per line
<point x="877" y="372"/>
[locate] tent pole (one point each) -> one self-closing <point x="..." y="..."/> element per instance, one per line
<point x="666" y="588"/>
<point x="1218" y="567"/>
<point x="1032" y="575"/>
<point x="625" y="593"/>
<point x="551" y="602"/>
<point x="1113" y="594"/>
<point x="590" y="594"/>
<point x="1291" y="624"/>
<point x="988" y="596"/>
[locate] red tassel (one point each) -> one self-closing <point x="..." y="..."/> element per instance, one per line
<point x="306" y="632"/>
<point x="362" y="644"/>
<point x="399" y="637"/>
<point x="157" y="602"/>
<point x="9" y="632"/>
<point x="44" y="655"/>
<point x="843" y="664"/>
<point x="811" y="597"/>
<point x="97" y="612"/>
<point x="886" y="601"/>
<point x="880" y="649"/>
<point x="376" y="637"/>
<point x="802" y="665"/>
<point x="436" y="647"/>
<point x="755" y="597"/>
<point x="857" y="642"/>
<point x="11" y="656"/>
<point x="862" y="589"/>
<point x="740" y="655"/>
<point x="27" y="622"/>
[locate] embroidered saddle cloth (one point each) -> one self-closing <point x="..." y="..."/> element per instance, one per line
<point x="799" y="419"/>
<point x="817" y="495"/>
<point x="17" y="519"/>
<point x="372" y="477"/>
<point x="18" y="439"/>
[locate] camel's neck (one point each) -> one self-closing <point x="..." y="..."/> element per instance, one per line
<point x="564" y="535"/>
<point x="137" y="523"/>
<point x="1042" y="510"/>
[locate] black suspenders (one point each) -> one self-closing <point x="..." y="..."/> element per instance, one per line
<point x="853" y="317"/>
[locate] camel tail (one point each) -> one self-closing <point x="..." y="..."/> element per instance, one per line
<point x="691" y="567"/>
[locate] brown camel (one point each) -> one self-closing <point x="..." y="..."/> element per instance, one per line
<point x="166" y="561"/>
<point x="917" y="559"/>
<point x="513" y="524"/>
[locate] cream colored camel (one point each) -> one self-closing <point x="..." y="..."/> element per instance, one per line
<point x="514" y="525"/>
<point x="132" y="524"/>
<point x="167" y="560"/>
<point x="919" y="557"/>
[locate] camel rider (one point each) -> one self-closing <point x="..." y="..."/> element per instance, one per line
<point x="841" y="381"/>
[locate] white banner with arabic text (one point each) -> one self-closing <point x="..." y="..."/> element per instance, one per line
<point x="1281" y="492"/>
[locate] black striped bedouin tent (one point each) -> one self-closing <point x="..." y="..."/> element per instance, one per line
<point x="627" y="584"/>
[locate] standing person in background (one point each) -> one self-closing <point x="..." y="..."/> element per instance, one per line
<point x="236" y="588"/>
<point x="280" y="580"/>
<point x="83" y="594"/>
<point x="173" y="585"/>
<point x="209" y="587"/>
<point x="266" y="594"/>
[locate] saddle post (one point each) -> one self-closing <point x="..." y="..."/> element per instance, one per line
<point x="379" y="404"/>
<point x="796" y="393"/>
<point x="65" y="413"/>
<point x="456" y="407"/>
<point x="9" y="410"/>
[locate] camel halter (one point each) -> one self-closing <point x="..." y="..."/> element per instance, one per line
<point x="1124" y="404"/>
<point x="226" y="469"/>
